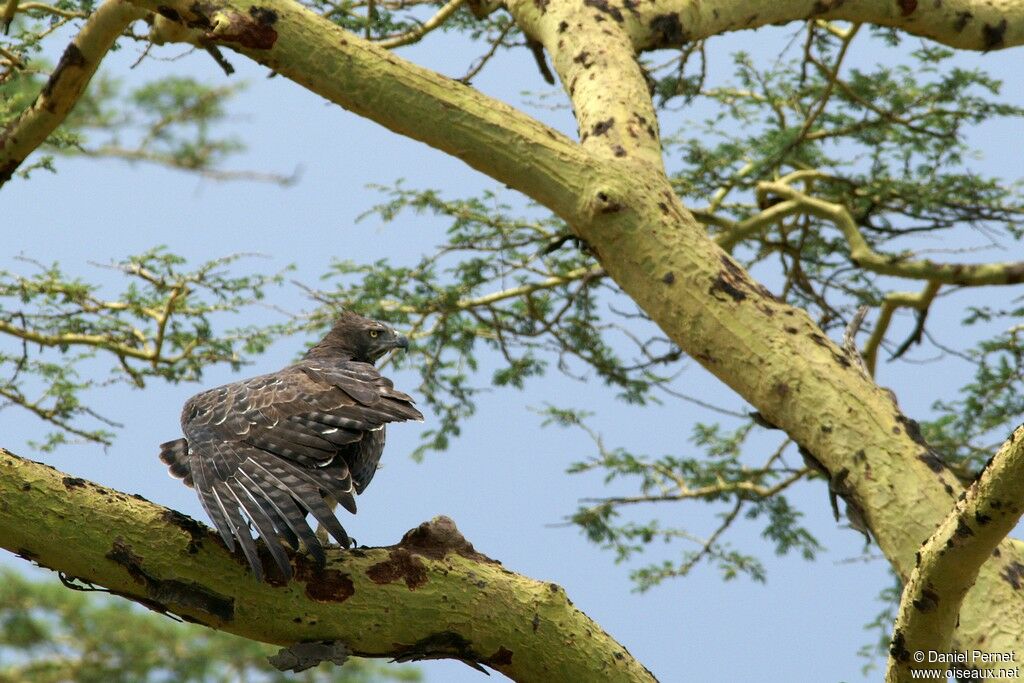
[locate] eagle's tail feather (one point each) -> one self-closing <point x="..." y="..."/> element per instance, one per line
<point x="174" y="454"/>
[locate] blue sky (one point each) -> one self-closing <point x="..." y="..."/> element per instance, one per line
<point x="503" y="480"/>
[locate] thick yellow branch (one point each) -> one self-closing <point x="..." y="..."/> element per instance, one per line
<point x="965" y="24"/>
<point x="430" y="595"/>
<point x="948" y="564"/>
<point x="66" y="84"/>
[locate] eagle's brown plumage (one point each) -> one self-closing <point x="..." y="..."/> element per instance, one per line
<point x="270" y="449"/>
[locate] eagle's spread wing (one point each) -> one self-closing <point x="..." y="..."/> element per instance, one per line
<point x="269" y="449"/>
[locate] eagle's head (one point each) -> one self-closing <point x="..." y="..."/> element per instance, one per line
<point x="354" y="337"/>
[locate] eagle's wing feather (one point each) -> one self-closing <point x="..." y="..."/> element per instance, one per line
<point x="267" y="451"/>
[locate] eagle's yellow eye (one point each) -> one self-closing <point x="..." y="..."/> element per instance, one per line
<point x="374" y="333"/>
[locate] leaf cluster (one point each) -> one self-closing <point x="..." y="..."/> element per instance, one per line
<point x="66" y="337"/>
<point x="49" y="634"/>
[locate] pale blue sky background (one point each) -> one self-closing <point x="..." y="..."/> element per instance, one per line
<point x="503" y="481"/>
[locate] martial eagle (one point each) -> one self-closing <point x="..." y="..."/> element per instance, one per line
<point x="269" y="450"/>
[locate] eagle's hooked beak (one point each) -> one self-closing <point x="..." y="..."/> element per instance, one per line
<point x="401" y="342"/>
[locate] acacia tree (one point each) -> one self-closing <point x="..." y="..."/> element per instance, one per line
<point x="835" y="168"/>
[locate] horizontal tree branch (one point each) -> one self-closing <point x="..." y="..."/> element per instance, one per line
<point x="948" y="563"/>
<point x="964" y="24"/>
<point x="863" y="256"/>
<point x="430" y="596"/>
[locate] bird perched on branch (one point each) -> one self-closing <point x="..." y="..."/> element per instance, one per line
<point x="269" y="450"/>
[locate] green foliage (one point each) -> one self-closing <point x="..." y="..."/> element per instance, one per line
<point x="718" y="476"/>
<point x="519" y="289"/>
<point x="889" y="143"/>
<point x="49" y="634"/>
<point x="162" y="325"/>
<point x="171" y="121"/>
<point x="510" y="294"/>
<point x="971" y="426"/>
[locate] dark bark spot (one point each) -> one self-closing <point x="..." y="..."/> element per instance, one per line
<point x="606" y="7"/>
<point x="828" y="5"/>
<point x="826" y="429"/>
<point x="818" y="339"/>
<point x="602" y="127"/>
<point x="780" y="389"/>
<point x="729" y="280"/>
<point x="563" y="26"/>
<point x="962" y="19"/>
<point x="663" y="207"/>
<point x="962" y="530"/>
<point x="443" y="645"/>
<point x="542" y="5"/>
<point x="791" y="330"/>
<point x="608" y="205"/>
<point x="913" y="429"/>
<point x="169" y="594"/>
<point x="722" y="283"/>
<point x="502" y="657"/>
<point x="933" y="461"/>
<point x="196" y="531"/>
<point x="26" y="554"/>
<point x="200" y="19"/>
<point x="898" y="649"/>
<point x="949" y="490"/>
<point x="993" y="35"/>
<point x="401" y="564"/>
<point x="74" y="483"/>
<point x="582" y="58"/>
<point x="981" y="518"/>
<point x="1013" y="574"/>
<point x="666" y="31"/>
<point x="8" y="169"/>
<point x="263" y="15"/>
<point x="619" y="151"/>
<point x="536" y="622"/>
<point x="907" y="7"/>
<point x="996" y="553"/>
<point x="917" y="559"/>
<point x="669" y="278"/>
<point x="168" y="13"/>
<point x="928" y="601"/>
<point x="71" y="59"/>
<point x="255" y="32"/>
<point x="323" y="585"/>
<point x="26" y="486"/>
